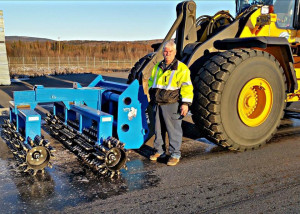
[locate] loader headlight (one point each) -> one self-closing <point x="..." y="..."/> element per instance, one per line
<point x="265" y="10"/>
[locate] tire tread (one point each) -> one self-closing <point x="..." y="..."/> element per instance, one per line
<point x="208" y="85"/>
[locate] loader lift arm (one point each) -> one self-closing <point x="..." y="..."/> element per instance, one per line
<point x="185" y="25"/>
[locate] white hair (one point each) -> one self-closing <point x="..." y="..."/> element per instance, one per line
<point x="169" y="43"/>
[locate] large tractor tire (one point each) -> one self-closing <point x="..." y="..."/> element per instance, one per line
<point x="239" y="98"/>
<point x="136" y="70"/>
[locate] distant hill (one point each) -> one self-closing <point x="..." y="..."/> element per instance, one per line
<point x="26" y="39"/>
<point x="20" y="46"/>
<point x="34" y="39"/>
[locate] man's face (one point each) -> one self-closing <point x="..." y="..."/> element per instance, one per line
<point x="169" y="54"/>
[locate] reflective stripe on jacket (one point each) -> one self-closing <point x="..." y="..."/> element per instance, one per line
<point x="172" y="85"/>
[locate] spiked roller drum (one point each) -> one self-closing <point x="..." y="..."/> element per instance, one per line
<point x="107" y="158"/>
<point x="32" y="155"/>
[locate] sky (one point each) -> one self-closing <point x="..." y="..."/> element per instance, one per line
<point x="98" y="20"/>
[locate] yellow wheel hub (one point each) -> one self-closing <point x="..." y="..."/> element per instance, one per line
<point x="255" y="102"/>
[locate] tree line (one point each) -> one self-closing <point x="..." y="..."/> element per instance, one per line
<point x="105" y="50"/>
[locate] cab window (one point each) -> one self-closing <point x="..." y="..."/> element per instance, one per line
<point x="285" y="13"/>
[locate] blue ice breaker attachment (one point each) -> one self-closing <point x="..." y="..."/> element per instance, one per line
<point x="94" y="122"/>
<point x="111" y="109"/>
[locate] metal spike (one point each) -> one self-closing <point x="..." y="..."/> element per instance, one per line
<point x="101" y="166"/>
<point x="30" y="141"/>
<point x="27" y="169"/>
<point x="21" y="138"/>
<point x="47" y="120"/>
<point x="21" y="156"/>
<point x="16" y="144"/>
<point x="25" y="149"/>
<point x="117" y="143"/>
<point x="23" y="164"/>
<point x="112" y="174"/>
<point x="46" y="143"/>
<point x="104" y="171"/>
<point x="86" y="155"/>
<point x="70" y="128"/>
<point x="50" y="165"/>
<point x="125" y="167"/>
<point x="92" y="162"/>
<point x="34" y="172"/>
<point x="51" y="149"/>
<point x="38" y="140"/>
<point x="99" y="157"/>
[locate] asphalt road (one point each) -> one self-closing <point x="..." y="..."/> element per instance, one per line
<point x="207" y="180"/>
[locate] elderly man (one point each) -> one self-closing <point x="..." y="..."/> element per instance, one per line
<point x="171" y="93"/>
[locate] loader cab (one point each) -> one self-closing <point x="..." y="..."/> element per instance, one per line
<point x="287" y="11"/>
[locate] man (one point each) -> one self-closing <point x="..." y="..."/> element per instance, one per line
<point x="171" y="92"/>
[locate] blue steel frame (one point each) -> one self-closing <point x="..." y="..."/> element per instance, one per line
<point x="127" y="106"/>
<point x="30" y="122"/>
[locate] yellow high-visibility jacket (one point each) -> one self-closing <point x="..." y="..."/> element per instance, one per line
<point x="171" y="84"/>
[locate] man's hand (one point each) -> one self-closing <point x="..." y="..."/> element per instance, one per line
<point x="184" y="110"/>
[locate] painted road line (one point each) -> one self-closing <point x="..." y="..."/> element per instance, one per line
<point x="27" y="84"/>
<point x="19" y="80"/>
<point x="55" y="78"/>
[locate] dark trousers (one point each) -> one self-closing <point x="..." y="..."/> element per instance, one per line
<point x="168" y="119"/>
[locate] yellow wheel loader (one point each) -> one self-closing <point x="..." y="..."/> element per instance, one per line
<point x="244" y="69"/>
